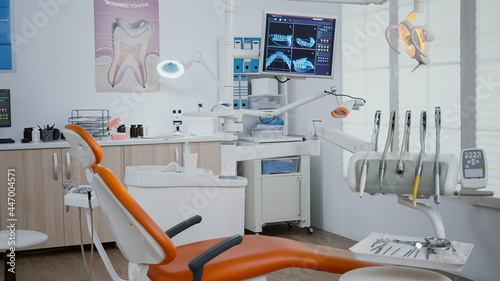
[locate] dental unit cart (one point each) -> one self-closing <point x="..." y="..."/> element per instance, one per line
<point x="285" y="180"/>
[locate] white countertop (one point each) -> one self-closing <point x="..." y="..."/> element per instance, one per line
<point x="108" y="142"/>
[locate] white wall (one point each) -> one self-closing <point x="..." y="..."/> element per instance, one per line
<point x="55" y="74"/>
<point x="55" y="65"/>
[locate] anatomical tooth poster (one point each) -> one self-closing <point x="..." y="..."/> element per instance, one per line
<point x="126" y="45"/>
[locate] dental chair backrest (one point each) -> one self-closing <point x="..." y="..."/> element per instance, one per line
<point x="139" y="238"/>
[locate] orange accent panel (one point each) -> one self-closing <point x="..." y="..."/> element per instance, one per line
<point x="96" y="148"/>
<point x="137" y="212"/>
<point x="255" y="256"/>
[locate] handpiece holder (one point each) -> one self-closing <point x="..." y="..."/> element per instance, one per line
<point x="402" y="184"/>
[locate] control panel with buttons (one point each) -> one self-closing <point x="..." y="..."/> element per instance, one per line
<point x="474" y="170"/>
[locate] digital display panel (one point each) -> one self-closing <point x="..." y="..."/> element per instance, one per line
<point x="298" y="45"/>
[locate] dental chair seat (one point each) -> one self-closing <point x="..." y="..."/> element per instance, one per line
<point x="255" y="256"/>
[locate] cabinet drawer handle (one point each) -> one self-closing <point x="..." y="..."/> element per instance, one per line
<point x="56" y="168"/>
<point x="68" y="165"/>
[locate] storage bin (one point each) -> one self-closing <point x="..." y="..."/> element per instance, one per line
<point x="280" y="165"/>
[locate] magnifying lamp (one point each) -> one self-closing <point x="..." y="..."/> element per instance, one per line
<point x="413" y="38"/>
<point x="173" y="69"/>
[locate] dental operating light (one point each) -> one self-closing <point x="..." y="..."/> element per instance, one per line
<point x="346" y="107"/>
<point x="414" y="39"/>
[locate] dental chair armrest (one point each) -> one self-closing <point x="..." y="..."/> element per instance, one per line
<point x="197" y="264"/>
<point x="180" y="227"/>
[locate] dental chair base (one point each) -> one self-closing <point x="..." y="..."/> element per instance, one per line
<point x="392" y="273"/>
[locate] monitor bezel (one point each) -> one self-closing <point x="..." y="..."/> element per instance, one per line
<point x="296" y="75"/>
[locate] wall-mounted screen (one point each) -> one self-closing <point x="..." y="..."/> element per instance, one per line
<point x="298" y="45"/>
<point x="5" y="120"/>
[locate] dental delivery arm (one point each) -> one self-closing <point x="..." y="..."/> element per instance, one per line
<point x="337" y="137"/>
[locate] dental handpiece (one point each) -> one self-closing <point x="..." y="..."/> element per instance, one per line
<point x="390" y="135"/>
<point x="405" y="145"/>
<point x="376" y="128"/>
<point x="423" y="128"/>
<point x="437" y="117"/>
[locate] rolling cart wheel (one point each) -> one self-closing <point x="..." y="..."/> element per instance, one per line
<point x="309" y="230"/>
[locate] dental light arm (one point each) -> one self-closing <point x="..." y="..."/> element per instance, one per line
<point x="345" y="108"/>
<point x="283" y="109"/>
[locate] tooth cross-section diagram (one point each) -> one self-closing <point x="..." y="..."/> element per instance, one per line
<point x="302" y="65"/>
<point x="131" y="43"/>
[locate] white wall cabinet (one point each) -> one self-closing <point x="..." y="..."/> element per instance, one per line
<point x="276" y="198"/>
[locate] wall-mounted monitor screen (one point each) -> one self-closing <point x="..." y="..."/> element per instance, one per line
<point x="5" y="120"/>
<point x="298" y="44"/>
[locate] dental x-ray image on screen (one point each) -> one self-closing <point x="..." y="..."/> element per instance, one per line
<point x="298" y="45"/>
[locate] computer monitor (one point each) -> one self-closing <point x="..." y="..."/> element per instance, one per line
<point x="5" y="118"/>
<point x="298" y="44"/>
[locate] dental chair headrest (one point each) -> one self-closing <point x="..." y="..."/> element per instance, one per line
<point x="88" y="151"/>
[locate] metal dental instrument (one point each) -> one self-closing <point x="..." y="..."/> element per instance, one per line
<point x="390" y="134"/>
<point x="376" y="128"/>
<point x="396" y="251"/>
<point x="406" y="142"/>
<point x="387" y="250"/>
<point x="423" y="128"/>
<point x="416" y="254"/>
<point x="437" y="117"/>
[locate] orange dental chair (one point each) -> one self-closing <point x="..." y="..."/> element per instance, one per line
<point x="151" y="253"/>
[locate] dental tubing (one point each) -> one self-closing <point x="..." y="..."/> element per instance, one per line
<point x="423" y="127"/>
<point x="390" y="135"/>
<point x="376" y="128"/>
<point x="405" y="144"/>
<point x="437" y="118"/>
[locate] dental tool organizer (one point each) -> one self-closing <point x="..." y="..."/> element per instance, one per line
<point x="93" y="120"/>
<point x="402" y="184"/>
<point x="404" y="250"/>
